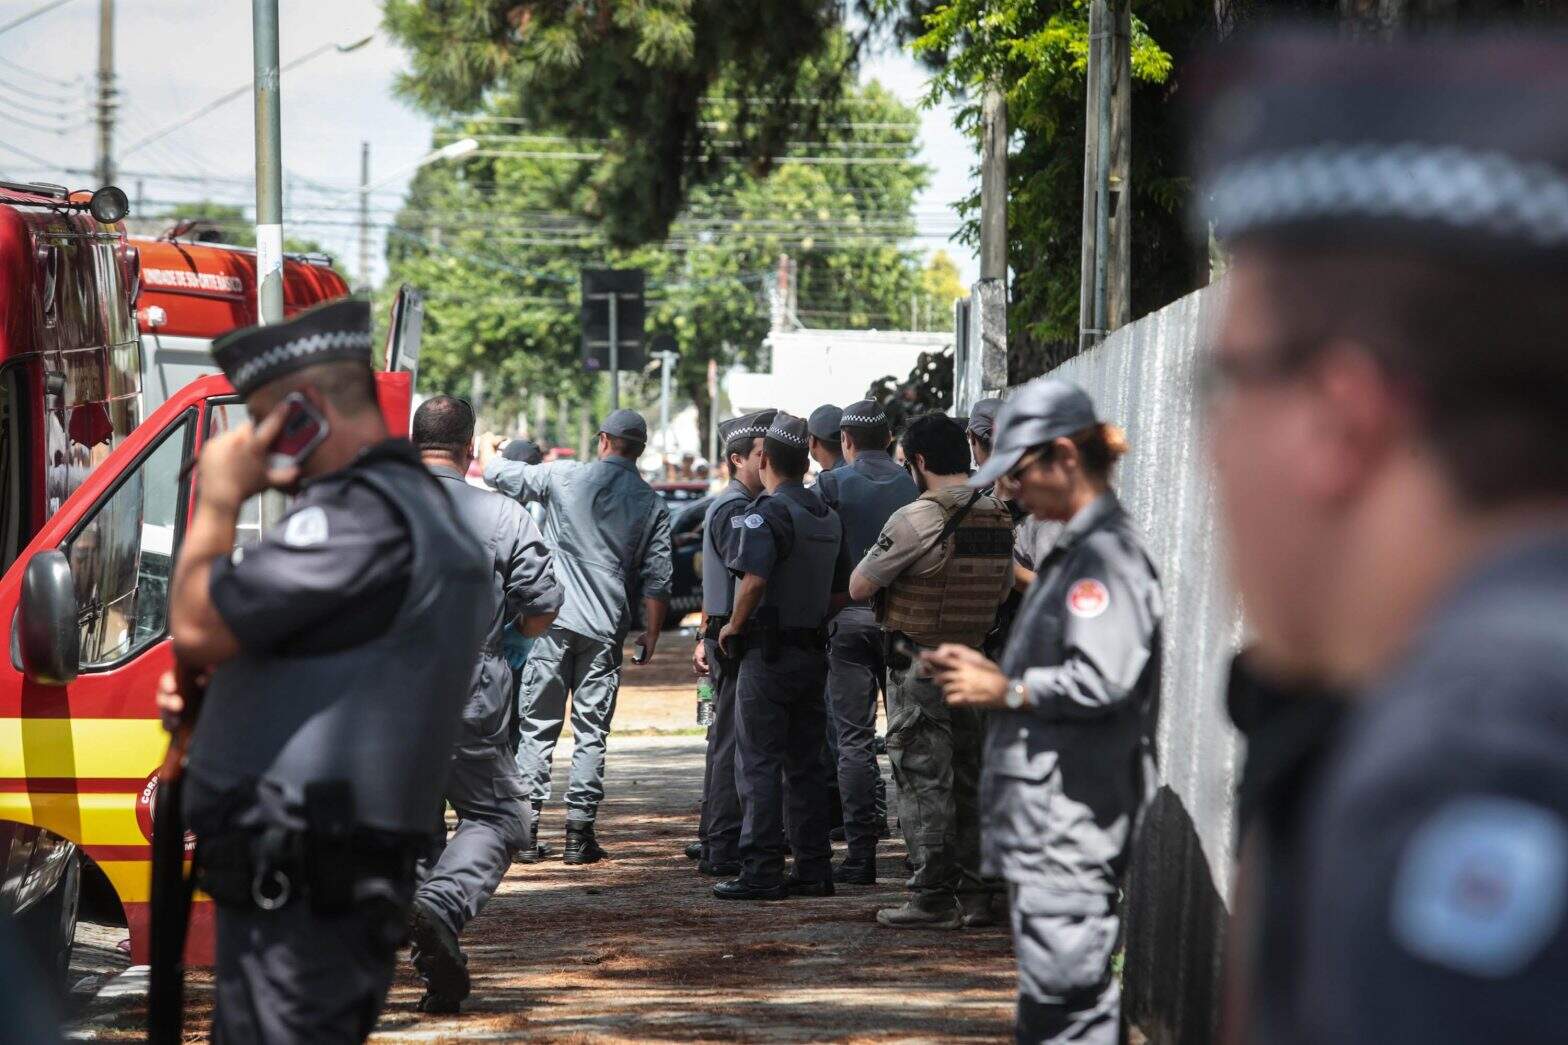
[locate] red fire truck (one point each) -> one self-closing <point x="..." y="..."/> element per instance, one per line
<point x="81" y="481"/>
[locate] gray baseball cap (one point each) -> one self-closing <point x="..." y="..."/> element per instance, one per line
<point x="823" y="422"/>
<point x="1044" y="409"/>
<point x="626" y="424"/>
<point x="982" y="417"/>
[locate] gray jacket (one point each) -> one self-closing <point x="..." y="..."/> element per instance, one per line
<point x="1066" y="778"/>
<point x="522" y="584"/>
<point x="609" y="531"/>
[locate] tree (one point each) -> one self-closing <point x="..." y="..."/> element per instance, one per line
<point x="497" y="243"/>
<point x="1039" y="49"/>
<point x="679" y="92"/>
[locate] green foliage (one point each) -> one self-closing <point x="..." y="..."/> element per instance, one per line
<point x="1039" y="50"/>
<point x="497" y="243"/>
<point x="642" y="76"/>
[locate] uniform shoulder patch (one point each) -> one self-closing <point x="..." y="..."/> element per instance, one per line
<point x="753" y="520"/>
<point x="306" y="527"/>
<point x="1482" y="886"/>
<point x="1088" y="598"/>
<point x="737" y="521"/>
<point x="885" y="542"/>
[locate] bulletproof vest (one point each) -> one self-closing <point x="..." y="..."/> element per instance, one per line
<point x="718" y="586"/>
<point x="801" y="584"/>
<point x="383" y="715"/>
<point x="864" y="504"/>
<point x="958" y="601"/>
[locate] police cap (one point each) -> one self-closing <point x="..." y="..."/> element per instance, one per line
<point x="525" y="450"/>
<point x="745" y="426"/>
<point x="1045" y="409"/>
<point x="338" y="331"/>
<point x="865" y="414"/>
<point x="788" y="429"/>
<point x="982" y="418"/>
<point x="1440" y="144"/>
<point x="824" y="421"/>
<point x="625" y="424"/>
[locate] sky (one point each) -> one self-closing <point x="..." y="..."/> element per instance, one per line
<point x="173" y="57"/>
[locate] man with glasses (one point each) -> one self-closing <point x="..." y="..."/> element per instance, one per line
<point x="1388" y="414"/>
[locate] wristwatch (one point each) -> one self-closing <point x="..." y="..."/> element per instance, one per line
<point x="1017" y="695"/>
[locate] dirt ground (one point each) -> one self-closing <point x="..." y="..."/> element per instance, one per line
<point x="636" y="948"/>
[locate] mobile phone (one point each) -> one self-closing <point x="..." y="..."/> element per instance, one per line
<point x="640" y="655"/>
<point x="304" y="429"/>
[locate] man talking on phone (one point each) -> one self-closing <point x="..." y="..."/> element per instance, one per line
<point x="338" y="650"/>
<point x="610" y="534"/>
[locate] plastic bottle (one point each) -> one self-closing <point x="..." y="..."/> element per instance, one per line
<point x="705" y="703"/>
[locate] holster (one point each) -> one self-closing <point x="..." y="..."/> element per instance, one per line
<point x="895" y="650"/>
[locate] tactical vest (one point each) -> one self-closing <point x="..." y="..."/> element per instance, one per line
<point x="864" y="504"/>
<point x="383" y="715"/>
<point x="718" y="586"/>
<point x="958" y="601"/>
<point x="801" y="583"/>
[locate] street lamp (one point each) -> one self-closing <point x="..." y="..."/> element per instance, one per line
<point x="454" y="150"/>
<point x="461" y="147"/>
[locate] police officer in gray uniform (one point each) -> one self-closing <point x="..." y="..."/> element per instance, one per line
<point x="340" y="647"/>
<point x="1069" y="752"/>
<point x="790" y="561"/>
<point x="1386" y="412"/>
<point x="718" y="832"/>
<point x="610" y="534"/>
<point x="869" y="489"/>
<point x="485" y="788"/>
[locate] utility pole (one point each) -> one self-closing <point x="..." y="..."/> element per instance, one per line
<point x="666" y="361"/>
<point x="980" y="359"/>
<point x="104" y="171"/>
<point x="993" y="185"/>
<point x="364" y="215"/>
<point x="1103" y="301"/>
<point x="269" y="162"/>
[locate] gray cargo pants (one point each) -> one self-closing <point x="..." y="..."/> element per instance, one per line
<point x="1066" y="991"/>
<point x="294" y="975"/>
<point x="719" y="827"/>
<point x="493" y="823"/>
<point x="563" y="662"/>
<point x="935" y="750"/>
<point x="856" y="673"/>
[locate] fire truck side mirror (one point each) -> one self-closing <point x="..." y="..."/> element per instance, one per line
<point x="49" y="641"/>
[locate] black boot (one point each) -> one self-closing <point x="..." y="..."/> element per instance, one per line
<point x="740" y="889"/>
<point x="581" y="847"/>
<point x="797" y="886"/>
<point x="709" y="869"/>
<point x="857" y="869"/>
<point x="439" y="961"/>
<point x="694" y="851"/>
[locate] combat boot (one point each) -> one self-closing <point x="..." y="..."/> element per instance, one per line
<point x="795" y="885"/>
<point x="439" y="961"/>
<point x="581" y="846"/>
<point x="925" y="911"/>
<point x="740" y="889"/>
<point x="709" y="869"/>
<point x="857" y="869"/>
<point x="694" y="851"/>
<point x="976" y="910"/>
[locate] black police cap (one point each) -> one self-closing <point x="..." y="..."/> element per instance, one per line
<point x="335" y="332"/>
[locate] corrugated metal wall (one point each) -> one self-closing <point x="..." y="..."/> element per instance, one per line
<point x="1142" y="377"/>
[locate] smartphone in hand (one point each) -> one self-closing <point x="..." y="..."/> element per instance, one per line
<point x="304" y="429"/>
<point x="640" y="654"/>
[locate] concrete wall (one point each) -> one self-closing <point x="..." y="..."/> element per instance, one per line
<point x="1142" y="377"/>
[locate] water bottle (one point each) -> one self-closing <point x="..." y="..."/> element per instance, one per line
<point x="705" y="703"/>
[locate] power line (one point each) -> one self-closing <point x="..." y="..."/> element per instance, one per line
<point x="27" y="92"/>
<point x="29" y="156"/>
<point x="75" y="81"/>
<point x="34" y="13"/>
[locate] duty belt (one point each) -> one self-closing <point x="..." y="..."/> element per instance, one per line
<point x="270" y="868"/>
<point x="714" y="625"/>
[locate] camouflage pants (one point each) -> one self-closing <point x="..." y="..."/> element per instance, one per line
<point x="935" y="751"/>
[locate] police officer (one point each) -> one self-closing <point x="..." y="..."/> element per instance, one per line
<point x="718" y="833"/>
<point x="340" y="647"/>
<point x="1069" y="738"/>
<point x="789" y="558"/>
<point x="864" y="493"/>
<point x="485" y="788"/>
<point x="822" y="430"/>
<point x="1386" y="415"/>
<point x="610" y="534"/>
<point x="945" y="562"/>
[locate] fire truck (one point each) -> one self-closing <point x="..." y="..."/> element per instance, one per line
<point x="93" y="502"/>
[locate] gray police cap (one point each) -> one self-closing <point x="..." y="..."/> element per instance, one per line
<point x="746" y="426"/>
<point x="982" y="417"/>
<point x="525" y="450"/>
<point x="865" y="414"/>
<point x="626" y="424"/>
<point x="788" y="429"/>
<point x="1044" y="409"/>
<point x="824" y="421"/>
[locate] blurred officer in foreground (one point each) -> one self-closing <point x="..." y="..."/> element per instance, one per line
<point x="864" y="493"/>
<point x="340" y="648"/>
<point x="823" y="434"/>
<point x="610" y="534"/>
<point x="718" y="833"/>
<point x="1387" y="409"/>
<point x="789" y="558"/>
<point x="515" y="646"/>
<point x="945" y="562"/>
<point x="1069" y="754"/>
<point x="484" y="789"/>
